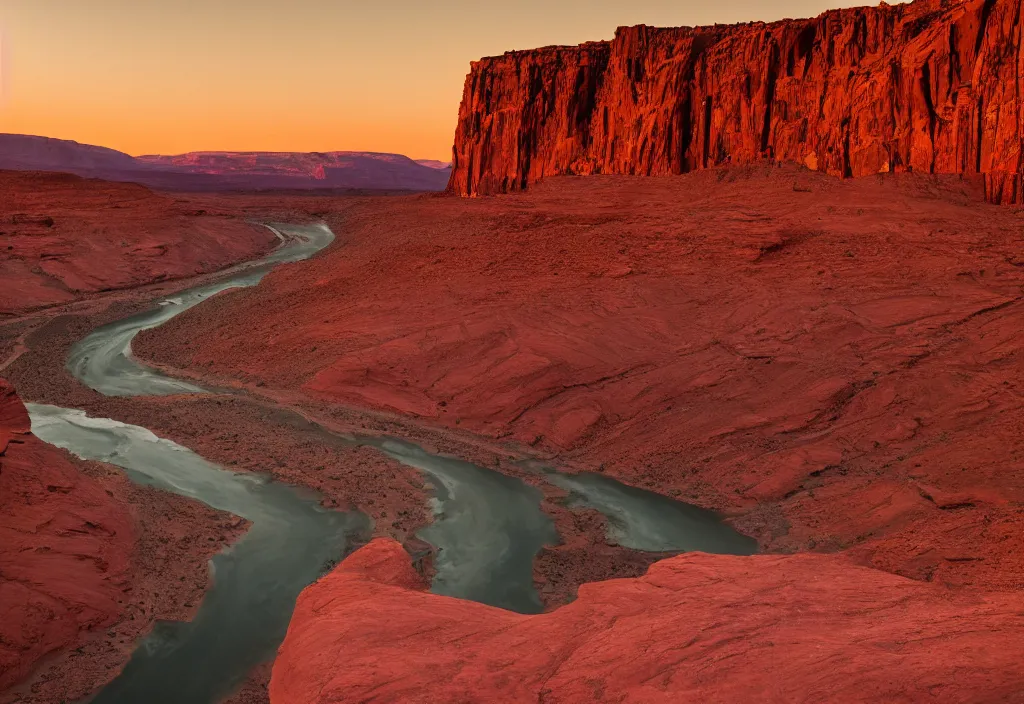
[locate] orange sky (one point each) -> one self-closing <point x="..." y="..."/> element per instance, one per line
<point x="169" y="76"/>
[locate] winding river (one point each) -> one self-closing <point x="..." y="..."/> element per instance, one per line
<point x="103" y="362"/>
<point x="487" y="526"/>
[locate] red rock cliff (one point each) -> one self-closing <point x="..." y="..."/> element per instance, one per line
<point x="932" y="86"/>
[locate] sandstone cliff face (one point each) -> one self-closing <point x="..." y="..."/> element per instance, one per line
<point x="933" y="86"/>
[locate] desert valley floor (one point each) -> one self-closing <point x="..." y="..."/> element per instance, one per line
<point x="833" y="367"/>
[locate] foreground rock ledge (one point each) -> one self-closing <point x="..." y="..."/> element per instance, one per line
<point x="697" y="627"/>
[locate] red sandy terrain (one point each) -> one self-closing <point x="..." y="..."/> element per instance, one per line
<point x="87" y="562"/>
<point x="834" y="364"/>
<point x="695" y="628"/>
<point x="62" y="237"/>
<point x="931" y="86"/>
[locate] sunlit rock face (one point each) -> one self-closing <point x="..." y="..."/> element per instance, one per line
<point x="931" y="86"/>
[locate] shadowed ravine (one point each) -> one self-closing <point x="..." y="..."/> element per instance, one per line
<point x="487" y="527"/>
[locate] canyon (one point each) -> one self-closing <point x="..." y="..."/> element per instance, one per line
<point x="831" y="365"/>
<point x="710" y="387"/>
<point x="931" y="86"/>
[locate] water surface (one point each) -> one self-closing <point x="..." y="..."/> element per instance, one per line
<point x="644" y="520"/>
<point x="487" y="528"/>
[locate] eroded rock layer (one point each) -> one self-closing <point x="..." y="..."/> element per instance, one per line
<point x="66" y="547"/>
<point x="932" y="86"/>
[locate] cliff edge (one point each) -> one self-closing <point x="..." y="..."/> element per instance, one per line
<point x="931" y="86"/>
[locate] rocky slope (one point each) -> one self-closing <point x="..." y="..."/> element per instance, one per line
<point x="696" y="627"/>
<point x="932" y="86"/>
<point x="63" y="237"/>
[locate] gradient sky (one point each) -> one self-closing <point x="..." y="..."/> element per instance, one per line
<point x="169" y="76"/>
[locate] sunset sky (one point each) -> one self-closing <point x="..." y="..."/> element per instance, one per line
<point x="169" y="76"/>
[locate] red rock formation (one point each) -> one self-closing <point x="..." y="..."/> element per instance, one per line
<point x="695" y="628"/>
<point x="932" y="86"/>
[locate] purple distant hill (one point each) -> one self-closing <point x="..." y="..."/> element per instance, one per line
<point x="212" y="171"/>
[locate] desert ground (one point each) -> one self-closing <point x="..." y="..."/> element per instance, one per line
<point x="832" y="366"/>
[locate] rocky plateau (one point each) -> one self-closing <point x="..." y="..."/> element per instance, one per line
<point x="931" y="86"/>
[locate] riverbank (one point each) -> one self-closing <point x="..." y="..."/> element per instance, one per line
<point x="304" y="444"/>
<point x="90" y="561"/>
<point x="64" y="238"/>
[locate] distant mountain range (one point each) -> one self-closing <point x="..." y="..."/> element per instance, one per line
<point x="212" y="171"/>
